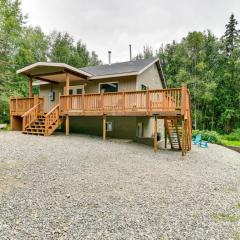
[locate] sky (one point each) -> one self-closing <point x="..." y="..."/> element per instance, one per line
<point x="114" y="24"/>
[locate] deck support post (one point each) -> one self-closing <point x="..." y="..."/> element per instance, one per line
<point x="35" y="100"/>
<point x="67" y="83"/>
<point x="165" y="134"/>
<point x="183" y="137"/>
<point x="67" y="115"/>
<point x="155" y="134"/>
<point x="67" y="125"/>
<point x="104" y="128"/>
<point x="30" y="87"/>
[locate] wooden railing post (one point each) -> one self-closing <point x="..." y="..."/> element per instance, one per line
<point x="123" y="100"/>
<point x="30" y="87"/>
<point x="83" y="102"/>
<point x="148" y="101"/>
<point x="102" y="102"/>
<point x="35" y="102"/>
<point x="184" y="96"/>
<point x="16" y="105"/>
<point x="43" y="105"/>
<point x="59" y="102"/>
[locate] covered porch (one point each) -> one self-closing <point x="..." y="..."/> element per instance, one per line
<point x="24" y="111"/>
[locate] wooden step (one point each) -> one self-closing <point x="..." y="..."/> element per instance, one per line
<point x="32" y="129"/>
<point x="33" y="133"/>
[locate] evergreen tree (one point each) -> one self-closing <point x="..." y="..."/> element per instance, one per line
<point x="231" y="36"/>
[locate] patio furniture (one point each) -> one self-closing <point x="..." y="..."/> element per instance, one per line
<point x="204" y="144"/>
<point x="197" y="139"/>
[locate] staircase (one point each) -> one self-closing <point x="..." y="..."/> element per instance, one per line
<point x="174" y="131"/>
<point x="179" y="133"/>
<point x="38" y="127"/>
<point x="36" y="123"/>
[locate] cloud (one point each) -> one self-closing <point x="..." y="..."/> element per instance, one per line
<point x="111" y="25"/>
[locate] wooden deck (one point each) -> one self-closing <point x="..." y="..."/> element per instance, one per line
<point x="172" y="105"/>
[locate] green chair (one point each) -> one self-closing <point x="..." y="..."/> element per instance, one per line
<point x="204" y="144"/>
<point x="197" y="139"/>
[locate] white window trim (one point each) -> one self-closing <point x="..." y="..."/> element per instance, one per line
<point x="106" y="83"/>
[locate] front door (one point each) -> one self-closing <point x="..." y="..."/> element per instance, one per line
<point x="73" y="90"/>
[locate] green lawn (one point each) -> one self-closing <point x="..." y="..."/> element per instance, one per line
<point x="231" y="143"/>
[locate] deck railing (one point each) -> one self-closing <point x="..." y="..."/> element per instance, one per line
<point x="150" y="101"/>
<point x="31" y="115"/>
<point x="52" y="117"/>
<point x="18" y="106"/>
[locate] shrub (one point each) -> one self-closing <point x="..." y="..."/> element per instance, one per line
<point x="215" y="137"/>
<point x="234" y="136"/>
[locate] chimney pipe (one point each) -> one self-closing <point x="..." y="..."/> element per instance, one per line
<point x="130" y="51"/>
<point x="109" y="57"/>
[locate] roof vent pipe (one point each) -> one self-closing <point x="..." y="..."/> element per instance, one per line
<point x="130" y="51"/>
<point x="109" y="57"/>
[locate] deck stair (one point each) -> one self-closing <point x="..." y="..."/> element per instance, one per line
<point x="43" y="124"/>
<point x="174" y="131"/>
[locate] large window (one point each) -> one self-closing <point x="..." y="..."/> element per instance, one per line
<point x="108" y="87"/>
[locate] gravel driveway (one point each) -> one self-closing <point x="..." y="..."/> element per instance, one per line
<point x="77" y="187"/>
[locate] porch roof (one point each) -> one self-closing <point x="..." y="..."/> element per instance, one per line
<point x="53" y="72"/>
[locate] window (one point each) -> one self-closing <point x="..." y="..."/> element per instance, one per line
<point x="70" y="91"/>
<point x="79" y="91"/>
<point x="108" y="87"/>
<point x="143" y="87"/>
<point x="109" y="126"/>
<point x="52" y="96"/>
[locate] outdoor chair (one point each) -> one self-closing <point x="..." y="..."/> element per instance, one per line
<point x="197" y="139"/>
<point x="204" y="144"/>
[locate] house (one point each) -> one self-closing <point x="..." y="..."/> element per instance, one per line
<point x="127" y="100"/>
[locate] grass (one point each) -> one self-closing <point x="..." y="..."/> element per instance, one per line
<point x="231" y="143"/>
<point x="225" y="217"/>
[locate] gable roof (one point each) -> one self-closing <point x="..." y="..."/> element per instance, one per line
<point x="129" y="68"/>
<point x="55" y="72"/>
<point x="49" y="67"/>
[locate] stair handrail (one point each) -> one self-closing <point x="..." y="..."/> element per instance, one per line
<point x="30" y="116"/>
<point x="51" y="117"/>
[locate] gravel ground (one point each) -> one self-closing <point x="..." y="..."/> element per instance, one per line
<point x="77" y="187"/>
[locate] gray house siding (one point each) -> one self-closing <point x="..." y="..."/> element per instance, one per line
<point x="149" y="78"/>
